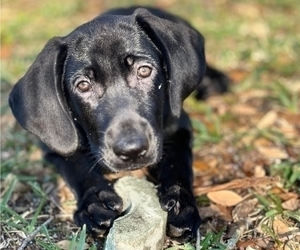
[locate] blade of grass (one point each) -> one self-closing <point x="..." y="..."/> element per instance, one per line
<point x="73" y="242"/>
<point x="82" y="236"/>
<point x="37" y="189"/>
<point x="293" y="214"/>
<point x="265" y="202"/>
<point x="272" y="213"/>
<point x="269" y="231"/>
<point x="8" y="192"/>
<point x="36" y="214"/>
<point x="49" y="245"/>
<point x="14" y="214"/>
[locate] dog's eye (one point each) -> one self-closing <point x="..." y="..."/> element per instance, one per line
<point x="84" y="86"/>
<point x="144" y="71"/>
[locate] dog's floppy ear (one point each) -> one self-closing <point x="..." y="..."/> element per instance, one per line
<point x="37" y="100"/>
<point x="183" y="50"/>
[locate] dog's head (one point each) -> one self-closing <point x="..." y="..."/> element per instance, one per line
<point x="112" y="81"/>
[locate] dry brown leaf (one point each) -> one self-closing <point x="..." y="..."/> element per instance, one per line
<point x="293" y="150"/>
<point x="291" y="204"/>
<point x="265" y="243"/>
<point x="252" y="94"/>
<point x="238" y="183"/>
<point x="267" y="120"/>
<point x="273" y="153"/>
<point x="283" y="230"/>
<point x="289" y="195"/>
<point x="243" y="110"/>
<point x="201" y="166"/>
<point x="259" y="171"/>
<point x="291" y="118"/>
<point x="247" y="244"/>
<point x="238" y="74"/>
<point x="287" y="129"/>
<point x="216" y="211"/>
<point x="224" y="212"/>
<point x="225" y="198"/>
<point x="64" y="244"/>
<point x="262" y="142"/>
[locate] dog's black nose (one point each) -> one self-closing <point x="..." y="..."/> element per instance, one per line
<point x="131" y="147"/>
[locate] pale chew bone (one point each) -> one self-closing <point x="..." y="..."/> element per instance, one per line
<point x="143" y="224"/>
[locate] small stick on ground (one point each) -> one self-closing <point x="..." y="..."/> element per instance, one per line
<point x="31" y="236"/>
<point x="198" y="239"/>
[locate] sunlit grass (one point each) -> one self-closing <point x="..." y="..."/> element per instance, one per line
<point x="260" y="37"/>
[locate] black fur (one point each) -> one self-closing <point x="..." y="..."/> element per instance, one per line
<point x="109" y="96"/>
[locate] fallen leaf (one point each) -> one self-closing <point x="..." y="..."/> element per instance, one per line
<point x="291" y="204"/>
<point x="283" y="230"/>
<point x="252" y="94"/>
<point x="265" y="243"/>
<point x="293" y="152"/>
<point x="288" y="196"/>
<point x="64" y="244"/>
<point x="238" y="75"/>
<point x="267" y="120"/>
<point x="243" y="109"/>
<point x="225" y="198"/>
<point x="215" y="210"/>
<point x="238" y="183"/>
<point x="201" y="166"/>
<point x="259" y="171"/>
<point x="262" y="142"/>
<point x="291" y="118"/>
<point x="273" y="153"/>
<point x="225" y="212"/>
<point x="287" y="129"/>
<point x="246" y="244"/>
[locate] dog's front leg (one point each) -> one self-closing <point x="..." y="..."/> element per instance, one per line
<point x="175" y="177"/>
<point x="97" y="203"/>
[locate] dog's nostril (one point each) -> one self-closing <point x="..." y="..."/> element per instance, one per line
<point x="131" y="148"/>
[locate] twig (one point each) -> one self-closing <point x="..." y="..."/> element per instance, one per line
<point x="238" y="183"/>
<point x="31" y="236"/>
<point x="198" y="239"/>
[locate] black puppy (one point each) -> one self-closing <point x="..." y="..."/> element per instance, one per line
<point x="108" y="96"/>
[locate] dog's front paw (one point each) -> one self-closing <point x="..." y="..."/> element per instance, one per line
<point x="97" y="209"/>
<point x="183" y="216"/>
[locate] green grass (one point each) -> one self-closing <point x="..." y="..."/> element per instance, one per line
<point x="260" y="38"/>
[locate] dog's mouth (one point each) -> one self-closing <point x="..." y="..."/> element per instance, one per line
<point x="117" y="165"/>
